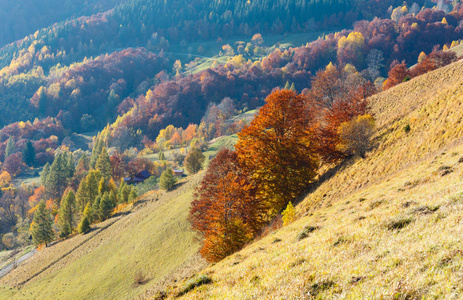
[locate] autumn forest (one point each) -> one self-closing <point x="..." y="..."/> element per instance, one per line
<point x="92" y="92"/>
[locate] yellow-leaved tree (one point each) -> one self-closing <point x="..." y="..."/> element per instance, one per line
<point x="356" y="135"/>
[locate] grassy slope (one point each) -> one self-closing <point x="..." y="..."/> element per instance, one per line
<point x="389" y="226"/>
<point x="154" y="239"/>
<point x="212" y="48"/>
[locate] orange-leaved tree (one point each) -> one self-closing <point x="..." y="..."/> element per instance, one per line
<point x="278" y="150"/>
<point x="225" y="212"/>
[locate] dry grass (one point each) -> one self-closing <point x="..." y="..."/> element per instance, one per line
<point x="388" y="226"/>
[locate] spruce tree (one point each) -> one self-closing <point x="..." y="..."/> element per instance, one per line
<point x="88" y="212"/>
<point x="167" y="180"/>
<point x="103" y="164"/>
<point x="287" y="86"/>
<point x="93" y="180"/>
<point x="113" y="197"/>
<point x="96" y="209"/>
<point x="132" y="195"/>
<point x="97" y="147"/>
<point x="44" y="174"/>
<point x="58" y="176"/>
<point x="84" y="225"/>
<point x="105" y="207"/>
<point x="42" y="100"/>
<point x="55" y="177"/>
<point x="10" y="147"/>
<point x="102" y="187"/>
<point x="83" y="195"/>
<point x="161" y="156"/>
<point x="66" y="213"/>
<point x="293" y="87"/>
<point x="124" y="191"/>
<point x="70" y="166"/>
<point x="41" y="227"/>
<point x="29" y="154"/>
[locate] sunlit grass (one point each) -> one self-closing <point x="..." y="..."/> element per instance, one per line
<point x="154" y="239"/>
<point x="388" y="226"/>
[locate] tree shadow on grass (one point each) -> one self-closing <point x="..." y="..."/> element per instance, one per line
<point x="349" y="161"/>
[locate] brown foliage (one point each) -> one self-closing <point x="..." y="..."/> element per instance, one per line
<point x="278" y="149"/>
<point x="140" y="164"/>
<point x="118" y="165"/>
<point x="225" y="211"/>
<point x="396" y="75"/>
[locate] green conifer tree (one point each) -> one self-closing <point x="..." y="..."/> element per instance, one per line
<point x="103" y="164"/>
<point x="83" y="195"/>
<point x="161" y="156"/>
<point x="10" y="147"/>
<point x="29" y="154"/>
<point x="96" y="209"/>
<point x="102" y="187"/>
<point x="93" y="180"/>
<point x="97" y="147"/>
<point x="167" y="180"/>
<point x="293" y="87"/>
<point x="287" y="86"/>
<point x="132" y="195"/>
<point x="42" y="100"/>
<point x="70" y="166"/>
<point x="66" y="213"/>
<point x="88" y="212"/>
<point x="124" y="191"/>
<point x="113" y="197"/>
<point x="56" y="179"/>
<point x="41" y="227"/>
<point x="84" y="225"/>
<point x="44" y="174"/>
<point x="105" y="207"/>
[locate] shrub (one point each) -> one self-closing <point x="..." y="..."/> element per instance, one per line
<point x="191" y="284"/>
<point x="407" y="128"/>
<point x="398" y="223"/>
<point x="139" y="278"/>
<point x="306" y="231"/>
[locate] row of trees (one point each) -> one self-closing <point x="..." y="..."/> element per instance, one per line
<point x="426" y="63"/>
<point x="276" y="159"/>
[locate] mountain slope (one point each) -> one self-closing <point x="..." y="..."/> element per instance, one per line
<point x="154" y="239"/>
<point x="23" y="17"/>
<point x="388" y="226"/>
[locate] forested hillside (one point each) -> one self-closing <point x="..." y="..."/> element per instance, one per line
<point x="24" y="17"/>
